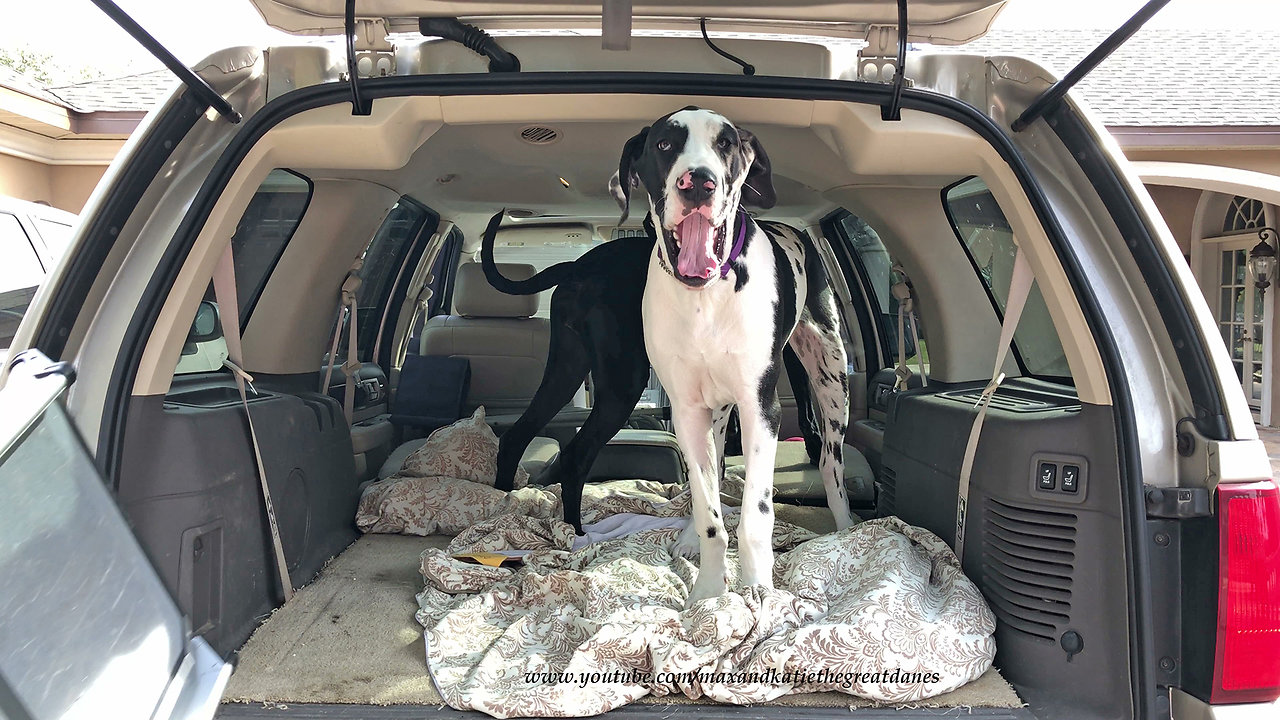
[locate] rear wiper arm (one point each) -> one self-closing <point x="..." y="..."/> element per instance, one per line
<point x="1051" y="97"/>
<point x="196" y="84"/>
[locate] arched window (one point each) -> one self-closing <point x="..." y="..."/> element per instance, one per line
<point x="1243" y="214"/>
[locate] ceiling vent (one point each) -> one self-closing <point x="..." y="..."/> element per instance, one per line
<point x="540" y="135"/>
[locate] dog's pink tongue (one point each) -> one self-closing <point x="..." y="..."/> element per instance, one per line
<point x="697" y="252"/>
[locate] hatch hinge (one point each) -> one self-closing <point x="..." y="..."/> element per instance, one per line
<point x="363" y="38"/>
<point x="375" y="55"/>
<point x="884" y="60"/>
<point x="1177" y="502"/>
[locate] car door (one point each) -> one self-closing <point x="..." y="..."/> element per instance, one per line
<point x="88" y="630"/>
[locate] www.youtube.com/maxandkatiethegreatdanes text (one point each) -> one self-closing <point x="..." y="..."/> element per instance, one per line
<point x="767" y="677"/>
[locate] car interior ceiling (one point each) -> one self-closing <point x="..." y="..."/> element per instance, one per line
<point x="410" y="187"/>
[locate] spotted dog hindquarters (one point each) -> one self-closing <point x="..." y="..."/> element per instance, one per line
<point x="723" y="296"/>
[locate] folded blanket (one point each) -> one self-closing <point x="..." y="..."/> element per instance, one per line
<point x="881" y="611"/>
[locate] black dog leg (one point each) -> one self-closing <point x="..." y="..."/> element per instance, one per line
<point x="620" y="381"/>
<point x="567" y="365"/>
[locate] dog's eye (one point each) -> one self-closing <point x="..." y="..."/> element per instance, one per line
<point x="723" y="143"/>
<point x="664" y="145"/>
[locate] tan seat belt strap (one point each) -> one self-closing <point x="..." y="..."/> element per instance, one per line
<point x="224" y="289"/>
<point x="1019" y="287"/>
<point x="901" y="291"/>
<point x="347" y="306"/>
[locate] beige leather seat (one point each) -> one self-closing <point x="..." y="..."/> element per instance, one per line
<point x="506" y="345"/>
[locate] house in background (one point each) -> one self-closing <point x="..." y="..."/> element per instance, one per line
<point x="1198" y="112"/>
<point x="56" y="142"/>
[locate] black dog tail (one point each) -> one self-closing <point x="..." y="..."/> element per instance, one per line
<point x="548" y="278"/>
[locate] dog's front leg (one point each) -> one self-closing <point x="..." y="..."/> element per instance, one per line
<point x="693" y="432"/>
<point x="755" y="525"/>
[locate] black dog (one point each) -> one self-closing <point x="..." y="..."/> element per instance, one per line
<point x="596" y="328"/>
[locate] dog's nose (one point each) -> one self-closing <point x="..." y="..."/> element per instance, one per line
<point x="696" y="185"/>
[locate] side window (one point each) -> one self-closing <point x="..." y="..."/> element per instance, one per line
<point x="264" y="231"/>
<point x="260" y="238"/>
<point x="382" y="261"/>
<point x="988" y="239"/>
<point x="876" y="265"/>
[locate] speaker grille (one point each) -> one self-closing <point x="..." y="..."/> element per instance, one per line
<point x="539" y="135"/>
<point x="1028" y="558"/>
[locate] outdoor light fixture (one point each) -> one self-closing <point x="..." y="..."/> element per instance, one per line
<point x="1262" y="260"/>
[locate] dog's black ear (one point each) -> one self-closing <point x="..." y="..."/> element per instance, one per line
<point x="757" y="189"/>
<point x="622" y="181"/>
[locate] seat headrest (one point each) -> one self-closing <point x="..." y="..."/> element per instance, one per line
<point x="473" y="296"/>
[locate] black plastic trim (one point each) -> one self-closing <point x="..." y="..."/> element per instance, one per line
<point x="1142" y="676"/>
<point x="134" y="178"/>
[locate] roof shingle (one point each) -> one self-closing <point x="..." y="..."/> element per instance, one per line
<point x="1160" y="78"/>
<point x="139" y="92"/>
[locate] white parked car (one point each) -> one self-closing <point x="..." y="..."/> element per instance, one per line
<point x="32" y="239"/>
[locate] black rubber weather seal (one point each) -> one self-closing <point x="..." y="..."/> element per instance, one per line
<point x="892" y="109"/>
<point x="360" y="105"/>
<point x="1142" y="677"/>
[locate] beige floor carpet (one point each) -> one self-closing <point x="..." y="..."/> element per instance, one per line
<point x="350" y="637"/>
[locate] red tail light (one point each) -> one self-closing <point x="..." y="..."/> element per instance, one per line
<point x="1247" y="665"/>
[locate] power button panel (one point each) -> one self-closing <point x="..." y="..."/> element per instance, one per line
<point x="1059" y="478"/>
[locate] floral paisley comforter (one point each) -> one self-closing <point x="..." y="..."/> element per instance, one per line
<point x="880" y="610"/>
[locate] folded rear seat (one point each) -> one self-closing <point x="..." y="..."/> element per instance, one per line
<point x="498" y="333"/>
<point x="506" y="347"/>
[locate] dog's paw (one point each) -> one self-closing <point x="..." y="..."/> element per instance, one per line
<point x="708" y="585"/>
<point x="687" y="544"/>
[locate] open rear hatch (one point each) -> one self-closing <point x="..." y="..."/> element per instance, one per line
<point x="942" y="22"/>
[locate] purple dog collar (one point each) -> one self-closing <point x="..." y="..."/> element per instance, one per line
<point x="737" y="244"/>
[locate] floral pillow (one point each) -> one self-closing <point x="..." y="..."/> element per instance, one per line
<point x="467" y="450"/>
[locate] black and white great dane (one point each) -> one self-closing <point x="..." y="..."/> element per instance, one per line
<point x="723" y="296"/>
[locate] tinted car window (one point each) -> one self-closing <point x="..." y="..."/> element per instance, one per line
<point x="877" y="264"/>
<point x="264" y="231"/>
<point x="20" y="274"/>
<point x="988" y="239"/>
<point x="382" y="260"/>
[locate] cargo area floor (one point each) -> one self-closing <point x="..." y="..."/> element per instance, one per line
<point x="350" y="638"/>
